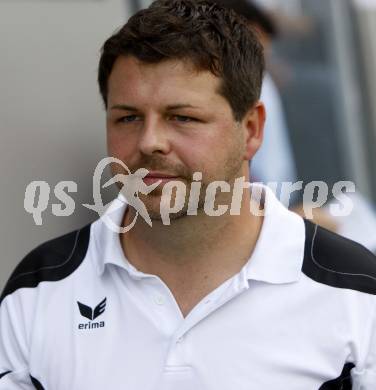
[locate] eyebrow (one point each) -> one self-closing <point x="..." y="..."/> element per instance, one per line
<point x="125" y="107"/>
<point x="179" y="106"/>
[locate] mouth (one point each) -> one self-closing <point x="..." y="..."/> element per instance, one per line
<point x="154" y="177"/>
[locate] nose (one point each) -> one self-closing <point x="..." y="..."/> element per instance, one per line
<point x="154" y="138"/>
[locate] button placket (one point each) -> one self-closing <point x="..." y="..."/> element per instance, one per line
<point x="176" y="355"/>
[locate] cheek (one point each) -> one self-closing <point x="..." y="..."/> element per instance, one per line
<point x="118" y="145"/>
<point x="204" y="155"/>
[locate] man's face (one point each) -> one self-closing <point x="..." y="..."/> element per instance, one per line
<point x="170" y="119"/>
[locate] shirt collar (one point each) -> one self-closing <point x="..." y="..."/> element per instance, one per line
<point x="279" y="251"/>
<point x="276" y="259"/>
<point x="107" y="246"/>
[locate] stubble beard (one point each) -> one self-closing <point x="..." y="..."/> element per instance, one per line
<point x="232" y="170"/>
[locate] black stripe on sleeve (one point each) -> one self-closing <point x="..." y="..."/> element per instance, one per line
<point x="338" y="262"/>
<point x="4" y="373"/>
<point x="343" y="382"/>
<point x="52" y="261"/>
<point x="36" y="383"/>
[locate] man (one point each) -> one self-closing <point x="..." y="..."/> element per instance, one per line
<point x="243" y="300"/>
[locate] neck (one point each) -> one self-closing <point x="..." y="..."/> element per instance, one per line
<point x="190" y="240"/>
<point x="195" y="254"/>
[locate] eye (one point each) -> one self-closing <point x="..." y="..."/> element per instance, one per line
<point x="128" y="119"/>
<point x="185" y="119"/>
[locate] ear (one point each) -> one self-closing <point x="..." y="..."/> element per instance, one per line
<point x="253" y="126"/>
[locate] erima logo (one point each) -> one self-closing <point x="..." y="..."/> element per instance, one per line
<point x="88" y="312"/>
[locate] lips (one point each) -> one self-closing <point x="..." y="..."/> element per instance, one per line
<point x="161" y="175"/>
<point x="154" y="177"/>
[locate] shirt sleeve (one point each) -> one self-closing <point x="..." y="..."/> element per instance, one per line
<point x="365" y="378"/>
<point x="14" y="372"/>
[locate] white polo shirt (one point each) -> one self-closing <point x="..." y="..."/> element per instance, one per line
<point x="300" y="315"/>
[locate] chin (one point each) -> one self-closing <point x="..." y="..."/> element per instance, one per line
<point x="155" y="215"/>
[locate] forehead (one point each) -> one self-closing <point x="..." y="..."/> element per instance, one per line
<point x="169" y="81"/>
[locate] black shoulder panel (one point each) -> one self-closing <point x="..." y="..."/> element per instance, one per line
<point x="51" y="261"/>
<point x="338" y="262"/>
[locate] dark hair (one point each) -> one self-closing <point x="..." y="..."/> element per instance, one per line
<point x="210" y="36"/>
<point x="252" y="13"/>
